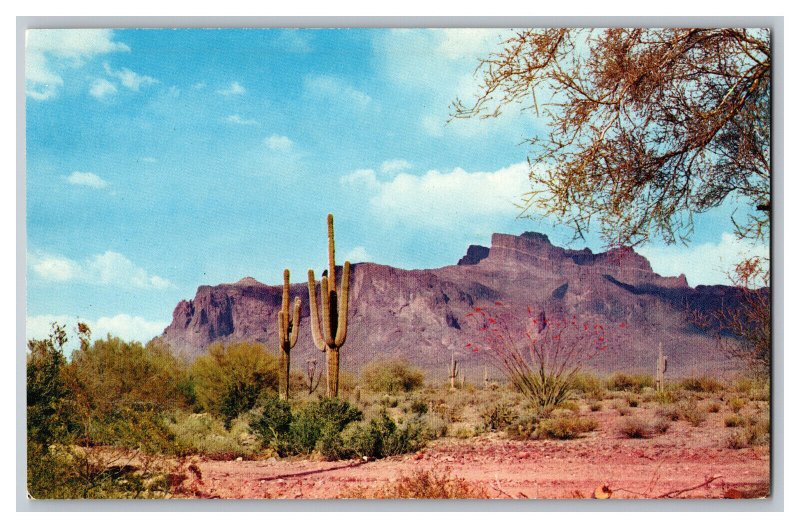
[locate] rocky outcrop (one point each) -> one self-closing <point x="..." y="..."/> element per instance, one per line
<point x="420" y="314"/>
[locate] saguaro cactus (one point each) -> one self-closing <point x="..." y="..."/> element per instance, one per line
<point x="453" y="373"/>
<point x="288" y="330"/>
<point x="661" y="368"/>
<point x="331" y="335"/>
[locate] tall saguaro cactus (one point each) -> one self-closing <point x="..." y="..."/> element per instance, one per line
<point x="661" y="368"/>
<point x="288" y="330"/>
<point x="330" y="336"/>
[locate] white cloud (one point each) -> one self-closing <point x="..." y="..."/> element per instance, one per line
<point x="280" y="143"/>
<point x="109" y="268"/>
<point x="455" y="200"/>
<point x="328" y="87"/>
<point x="236" y="119"/>
<point x="707" y="263"/>
<point x="358" y="254"/>
<point x="49" y="51"/>
<point x="88" y="179"/>
<point x="394" y="165"/>
<point x="234" y="89"/>
<point x="130" y="79"/>
<point x="102" y="88"/>
<point x="198" y="86"/>
<point x="56" y="269"/>
<point x="124" y="326"/>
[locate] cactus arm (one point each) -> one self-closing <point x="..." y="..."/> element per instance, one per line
<point x="281" y="329"/>
<point x="295" y="323"/>
<point x="319" y="342"/>
<point x="344" y="301"/>
<point x="326" y="314"/>
<point x="331" y="256"/>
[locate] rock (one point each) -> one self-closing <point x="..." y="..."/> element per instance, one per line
<point x="422" y="313"/>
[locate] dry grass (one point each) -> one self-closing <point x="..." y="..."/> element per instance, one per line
<point x="635" y="427"/>
<point x="423" y="484"/>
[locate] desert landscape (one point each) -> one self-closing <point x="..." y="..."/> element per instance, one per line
<point x="320" y="264"/>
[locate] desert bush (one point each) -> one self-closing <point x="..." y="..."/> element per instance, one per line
<point x="524" y="426"/>
<point x="692" y="413"/>
<point x="632" y="400"/>
<point x="734" y="420"/>
<point x="669" y="412"/>
<point x="701" y="384"/>
<point x="569" y="405"/>
<point x="419" y="407"/>
<point x="231" y="378"/>
<point x="667" y="396"/>
<point x="327" y="416"/>
<point x="495" y="417"/>
<point x="205" y="434"/>
<point x="589" y="385"/>
<point x="380" y="438"/>
<point x="736" y="404"/>
<point x="621" y="381"/>
<point x="635" y="427"/>
<point x="565" y="427"/>
<point x="436" y="426"/>
<point x="713" y="407"/>
<point x="595" y="406"/>
<point x="392" y="376"/>
<point x="754" y="432"/>
<point x="272" y="422"/>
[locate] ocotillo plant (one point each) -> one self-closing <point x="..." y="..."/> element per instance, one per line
<point x="288" y="330"/>
<point x="453" y="373"/>
<point x="661" y="368"/>
<point x="332" y="334"/>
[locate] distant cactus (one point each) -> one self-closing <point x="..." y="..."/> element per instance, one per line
<point x="661" y="368"/>
<point x="485" y="377"/>
<point x="288" y="330"/>
<point x="331" y="335"/>
<point x="453" y="373"/>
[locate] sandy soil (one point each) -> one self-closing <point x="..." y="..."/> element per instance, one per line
<point x="683" y="458"/>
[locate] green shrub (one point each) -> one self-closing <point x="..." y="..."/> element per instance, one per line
<point x="524" y="426"/>
<point x="589" y="385"/>
<point x="419" y="407"/>
<point x="382" y="437"/>
<point x="496" y="416"/>
<point x="327" y="415"/>
<point x="565" y="427"/>
<point x="629" y="382"/>
<point x="230" y="379"/>
<point x="204" y="434"/>
<point x="392" y="376"/>
<point x="272" y="423"/>
<point x="701" y="384"/>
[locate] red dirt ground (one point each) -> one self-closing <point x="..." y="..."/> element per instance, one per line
<point x="684" y="457"/>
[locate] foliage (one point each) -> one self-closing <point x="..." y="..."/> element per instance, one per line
<point x="635" y="427"/>
<point x="204" y="434"/>
<point x="701" y="384"/>
<point x="755" y="431"/>
<point x="565" y="427"/>
<point x="382" y="437"/>
<point x="541" y="356"/>
<point x="620" y="381"/>
<point x="692" y="413"/>
<point x="646" y="126"/>
<point x="392" y="376"/>
<point x="46" y="389"/>
<point x="497" y="416"/>
<point x="230" y="378"/>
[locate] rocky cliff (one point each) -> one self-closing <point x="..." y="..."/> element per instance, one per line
<point x="420" y="314"/>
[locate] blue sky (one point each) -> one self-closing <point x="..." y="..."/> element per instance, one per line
<point x="160" y="160"/>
